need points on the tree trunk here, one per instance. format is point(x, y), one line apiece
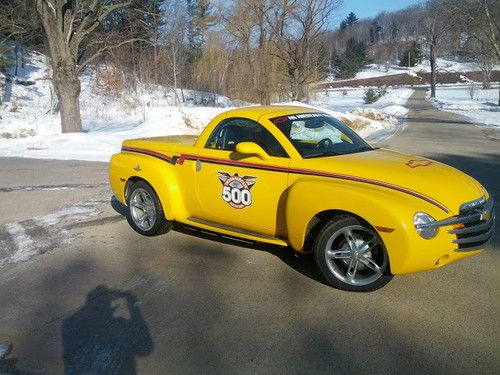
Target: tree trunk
point(68, 94)
point(433, 70)
point(64, 69)
point(67, 87)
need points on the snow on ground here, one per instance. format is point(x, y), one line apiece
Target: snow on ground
point(347, 99)
point(28, 128)
point(443, 65)
point(478, 105)
point(379, 120)
point(20, 241)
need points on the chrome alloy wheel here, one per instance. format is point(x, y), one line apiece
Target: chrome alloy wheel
point(142, 209)
point(355, 255)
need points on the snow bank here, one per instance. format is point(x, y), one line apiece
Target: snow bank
point(101, 139)
point(365, 121)
point(346, 99)
point(481, 109)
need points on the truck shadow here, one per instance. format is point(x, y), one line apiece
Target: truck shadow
point(302, 263)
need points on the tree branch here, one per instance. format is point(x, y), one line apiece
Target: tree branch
point(91, 21)
point(104, 49)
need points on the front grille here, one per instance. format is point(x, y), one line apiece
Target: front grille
point(478, 220)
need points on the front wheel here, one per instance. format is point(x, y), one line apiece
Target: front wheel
point(351, 255)
point(145, 213)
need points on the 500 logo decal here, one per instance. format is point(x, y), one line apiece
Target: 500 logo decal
point(236, 189)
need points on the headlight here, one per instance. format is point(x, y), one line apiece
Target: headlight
point(420, 220)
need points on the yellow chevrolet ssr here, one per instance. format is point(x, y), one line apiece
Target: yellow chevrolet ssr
point(298, 177)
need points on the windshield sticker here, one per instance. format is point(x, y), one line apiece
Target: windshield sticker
point(236, 189)
point(414, 163)
point(300, 116)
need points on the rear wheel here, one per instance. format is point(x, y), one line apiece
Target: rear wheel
point(351, 255)
point(145, 213)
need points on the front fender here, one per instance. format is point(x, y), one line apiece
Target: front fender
point(390, 213)
point(160, 175)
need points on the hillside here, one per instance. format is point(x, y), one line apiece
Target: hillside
point(448, 72)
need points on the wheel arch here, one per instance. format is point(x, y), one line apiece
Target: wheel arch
point(131, 181)
point(322, 218)
point(376, 207)
point(126, 169)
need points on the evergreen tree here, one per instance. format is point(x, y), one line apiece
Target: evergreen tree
point(352, 60)
point(351, 19)
point(411, 55)
point(5, 57)
point(200, 18)
point(375, 32)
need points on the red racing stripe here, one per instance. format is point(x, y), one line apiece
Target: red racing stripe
point(183, 157)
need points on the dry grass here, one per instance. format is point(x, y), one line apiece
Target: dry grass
point(112, 82)
point(356, 124)
point(369, 113)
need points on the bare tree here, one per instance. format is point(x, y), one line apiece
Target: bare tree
point(299, 28)
point(436, 28)
point(480, 21)
point(67, 25)
point(247, 24)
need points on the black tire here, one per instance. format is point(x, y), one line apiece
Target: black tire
point(145, 213)
point(351, 255)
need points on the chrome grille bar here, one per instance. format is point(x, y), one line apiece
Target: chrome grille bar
point(473, 239)
point(477, 224)
point(468, 206)
point(475, 228)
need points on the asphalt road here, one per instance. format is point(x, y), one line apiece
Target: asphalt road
point(181, 303)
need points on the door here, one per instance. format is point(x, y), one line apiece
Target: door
point(240, 190)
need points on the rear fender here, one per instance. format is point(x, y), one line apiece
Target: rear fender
point(125, 168)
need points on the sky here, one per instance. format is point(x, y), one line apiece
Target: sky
point(370, 8)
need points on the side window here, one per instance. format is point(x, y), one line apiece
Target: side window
point(233, 131)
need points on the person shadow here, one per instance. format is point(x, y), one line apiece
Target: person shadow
point(9, 366)
point(106, 335)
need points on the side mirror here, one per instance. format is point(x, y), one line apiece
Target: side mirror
point(251, 148)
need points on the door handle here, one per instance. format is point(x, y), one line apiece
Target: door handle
point(198, 165)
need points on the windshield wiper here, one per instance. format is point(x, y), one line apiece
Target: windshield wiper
point(329, 153)
point(365, 148)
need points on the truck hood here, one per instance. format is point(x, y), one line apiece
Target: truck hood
point(425, 178)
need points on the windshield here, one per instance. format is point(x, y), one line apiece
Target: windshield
point(317, 134)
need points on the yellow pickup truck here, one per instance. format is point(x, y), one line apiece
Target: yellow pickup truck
point(300, 178)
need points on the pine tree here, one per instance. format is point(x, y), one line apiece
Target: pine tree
point(352, 60)
point(411, 55)
point(375, 32)
point(351, 19)
point(200, 18)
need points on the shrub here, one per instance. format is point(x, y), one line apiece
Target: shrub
point(370, 96)
point(381, 91)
